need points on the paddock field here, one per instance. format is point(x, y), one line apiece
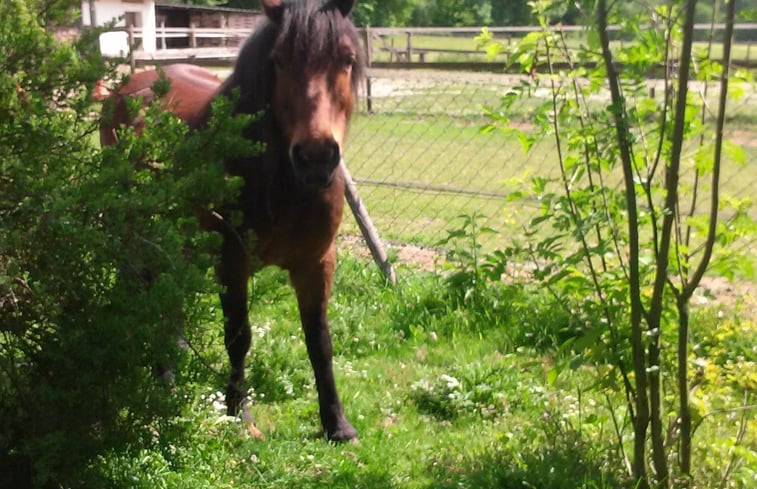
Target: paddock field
point(420, 158)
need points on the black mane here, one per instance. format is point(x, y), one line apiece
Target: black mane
point(309, 32)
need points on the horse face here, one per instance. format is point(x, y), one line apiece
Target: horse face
point(313, 94)
point(313, 108)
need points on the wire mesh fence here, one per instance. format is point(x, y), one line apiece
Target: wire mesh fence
point(421, 159)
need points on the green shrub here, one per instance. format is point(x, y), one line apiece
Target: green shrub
point(102, 263)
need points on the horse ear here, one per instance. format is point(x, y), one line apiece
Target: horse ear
point(345, 6)
point(273, 9)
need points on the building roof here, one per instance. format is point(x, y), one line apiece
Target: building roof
point(203, 8)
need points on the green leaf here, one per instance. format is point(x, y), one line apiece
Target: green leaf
point(552, 375)
point(593, 40)
point(576, 362)
point(735, 153)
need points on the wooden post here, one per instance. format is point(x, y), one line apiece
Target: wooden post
point(366, 226)
point(132, 45)
point(368, 97)
point(92, 13)
point(192, 37)
point(224, 23)
point(409, 46)
point(368, 45)
point(162, 33)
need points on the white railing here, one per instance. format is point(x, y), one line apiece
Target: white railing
point(193, 34)
point(226, 41)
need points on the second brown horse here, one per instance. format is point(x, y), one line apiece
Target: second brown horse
point(300, 68)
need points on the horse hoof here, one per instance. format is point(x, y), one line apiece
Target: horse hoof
point(254, 432)
point(344, 433)
point(249, 422)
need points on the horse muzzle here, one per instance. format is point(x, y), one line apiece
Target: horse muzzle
point(315, 162)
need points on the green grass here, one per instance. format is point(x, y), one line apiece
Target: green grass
point(435, 153)
point(444, 396)
point(426, 141)
point(421, 160)
point(404, 443)
point(399, 43)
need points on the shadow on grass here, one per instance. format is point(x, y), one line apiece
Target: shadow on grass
point(357, 479)
point(546, 468)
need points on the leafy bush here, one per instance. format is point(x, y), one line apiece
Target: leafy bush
point(102, 262)
point(486, 290)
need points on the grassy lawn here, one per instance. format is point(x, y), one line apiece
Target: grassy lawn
point(443, 396)
point(421, 159)
point(442, 168)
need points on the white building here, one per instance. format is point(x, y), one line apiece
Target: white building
point(136, 13)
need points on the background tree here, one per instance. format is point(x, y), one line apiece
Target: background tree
point(383, 13)
point(462, 12)
point(517, 12)
point(628, 261)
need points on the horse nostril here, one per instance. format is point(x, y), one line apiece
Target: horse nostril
point(298, 153)
point(332, 150)
point(322, 153)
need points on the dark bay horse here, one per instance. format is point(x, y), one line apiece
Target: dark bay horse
point(301, 68)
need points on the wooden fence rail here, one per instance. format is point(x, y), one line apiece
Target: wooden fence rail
point(397, 43)
point(386, 47)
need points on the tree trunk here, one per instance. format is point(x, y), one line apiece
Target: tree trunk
point(641, 402)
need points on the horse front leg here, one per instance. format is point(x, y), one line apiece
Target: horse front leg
point(233, 274)
point(312, 285)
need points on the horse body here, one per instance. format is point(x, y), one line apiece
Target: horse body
point(192, 89)
point(300, 69)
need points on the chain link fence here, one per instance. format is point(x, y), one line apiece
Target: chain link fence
point(421, 159)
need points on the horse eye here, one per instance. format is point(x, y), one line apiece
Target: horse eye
point(348, 61)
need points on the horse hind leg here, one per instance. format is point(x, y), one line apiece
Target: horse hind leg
point(312, 285)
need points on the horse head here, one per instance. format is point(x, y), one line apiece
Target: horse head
point(317, 67)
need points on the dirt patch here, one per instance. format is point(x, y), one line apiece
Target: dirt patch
point(712, 292)
point(744, 138)
point(411, 256)
point(716, 291)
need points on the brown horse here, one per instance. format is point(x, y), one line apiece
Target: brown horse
point(301, 68)
point(192, 89)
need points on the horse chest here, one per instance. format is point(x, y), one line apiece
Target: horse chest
point(294, 228)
